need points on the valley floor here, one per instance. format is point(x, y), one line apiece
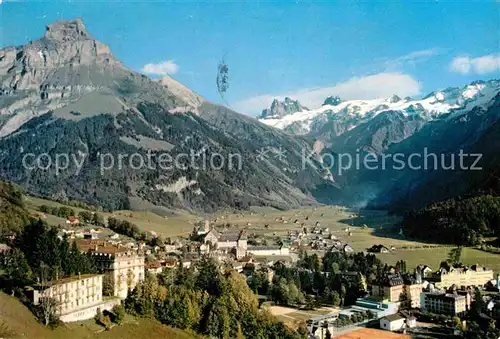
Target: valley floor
point(368, 228)
point(365, 230)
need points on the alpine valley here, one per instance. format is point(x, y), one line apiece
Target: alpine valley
point(438, 126)
point(67, 94)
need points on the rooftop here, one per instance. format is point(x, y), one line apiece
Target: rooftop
point(69, 279)
point(263, 248)
point(445, 296)
point(465, 269)
point(392, 280)
point(153, 264)
point(99, 246)
point(393, 317)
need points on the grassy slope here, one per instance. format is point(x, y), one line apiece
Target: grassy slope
point(23, 324)
point(177, 224)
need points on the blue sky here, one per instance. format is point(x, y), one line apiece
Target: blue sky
point(304, 49)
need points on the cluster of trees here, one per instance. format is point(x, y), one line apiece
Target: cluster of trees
point(13, 215)
point(211, 302)
point(339, 279)
point(93, 218)
point(354, 319)
point(460, 221)
point(88, 217)
point(82, 205)
point(63, 211)
point(106, 318)
point(475, 331)
point(479, 326)
point(38, 254)
point(129, 229)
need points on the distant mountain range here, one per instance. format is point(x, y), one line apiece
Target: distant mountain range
point(443, 122)
point(335, 116)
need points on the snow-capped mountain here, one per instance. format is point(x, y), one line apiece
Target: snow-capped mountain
point(345, 115)
point(446, 122)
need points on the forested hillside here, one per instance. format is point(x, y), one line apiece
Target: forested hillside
point(462, 221)
point(13, 215)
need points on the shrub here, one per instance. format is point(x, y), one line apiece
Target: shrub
point(119, 314)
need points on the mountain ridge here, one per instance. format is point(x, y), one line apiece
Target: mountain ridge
point(67, 94)
point(352, 113)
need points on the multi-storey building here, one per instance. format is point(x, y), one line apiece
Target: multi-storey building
point(443, 303)
point(229, 241)
point(397, 288)
point(463, 276)
point(123, 267)
point(390, 288)
point(412, 289)
point(76, 298)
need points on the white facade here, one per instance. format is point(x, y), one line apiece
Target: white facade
point(125, 269)
point(234, 242)
point(392, 323)
point(265, 251)
point(77, 298)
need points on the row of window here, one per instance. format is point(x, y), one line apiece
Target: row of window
point(79, 302)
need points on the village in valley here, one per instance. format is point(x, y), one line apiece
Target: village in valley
point(328, 269)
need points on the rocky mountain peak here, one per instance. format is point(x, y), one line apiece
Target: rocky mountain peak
point(68, 65)
point(72, 30)
point(279, 108)
point(393, 99)
point(332, 101)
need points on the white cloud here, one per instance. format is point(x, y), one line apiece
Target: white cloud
point(412, 58)
point(161, 68)
point(366, 87)
point(480, 65)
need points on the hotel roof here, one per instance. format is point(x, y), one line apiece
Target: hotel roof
point(67, 280)
point(99, 246)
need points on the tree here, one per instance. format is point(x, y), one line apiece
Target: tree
point(98, 316)
point(370, 315)
point(85, 216)
point(454, 256)
point(107, 285)
point(97, 219)
point(218, 320)
point(280, 292)
point(46, 209)
point(48, 310)
point(209, 277)
point(401, 266)
point(343, 293)
point(477, 305)
point(47, 306)
point(16, 266)
point(119, 313)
